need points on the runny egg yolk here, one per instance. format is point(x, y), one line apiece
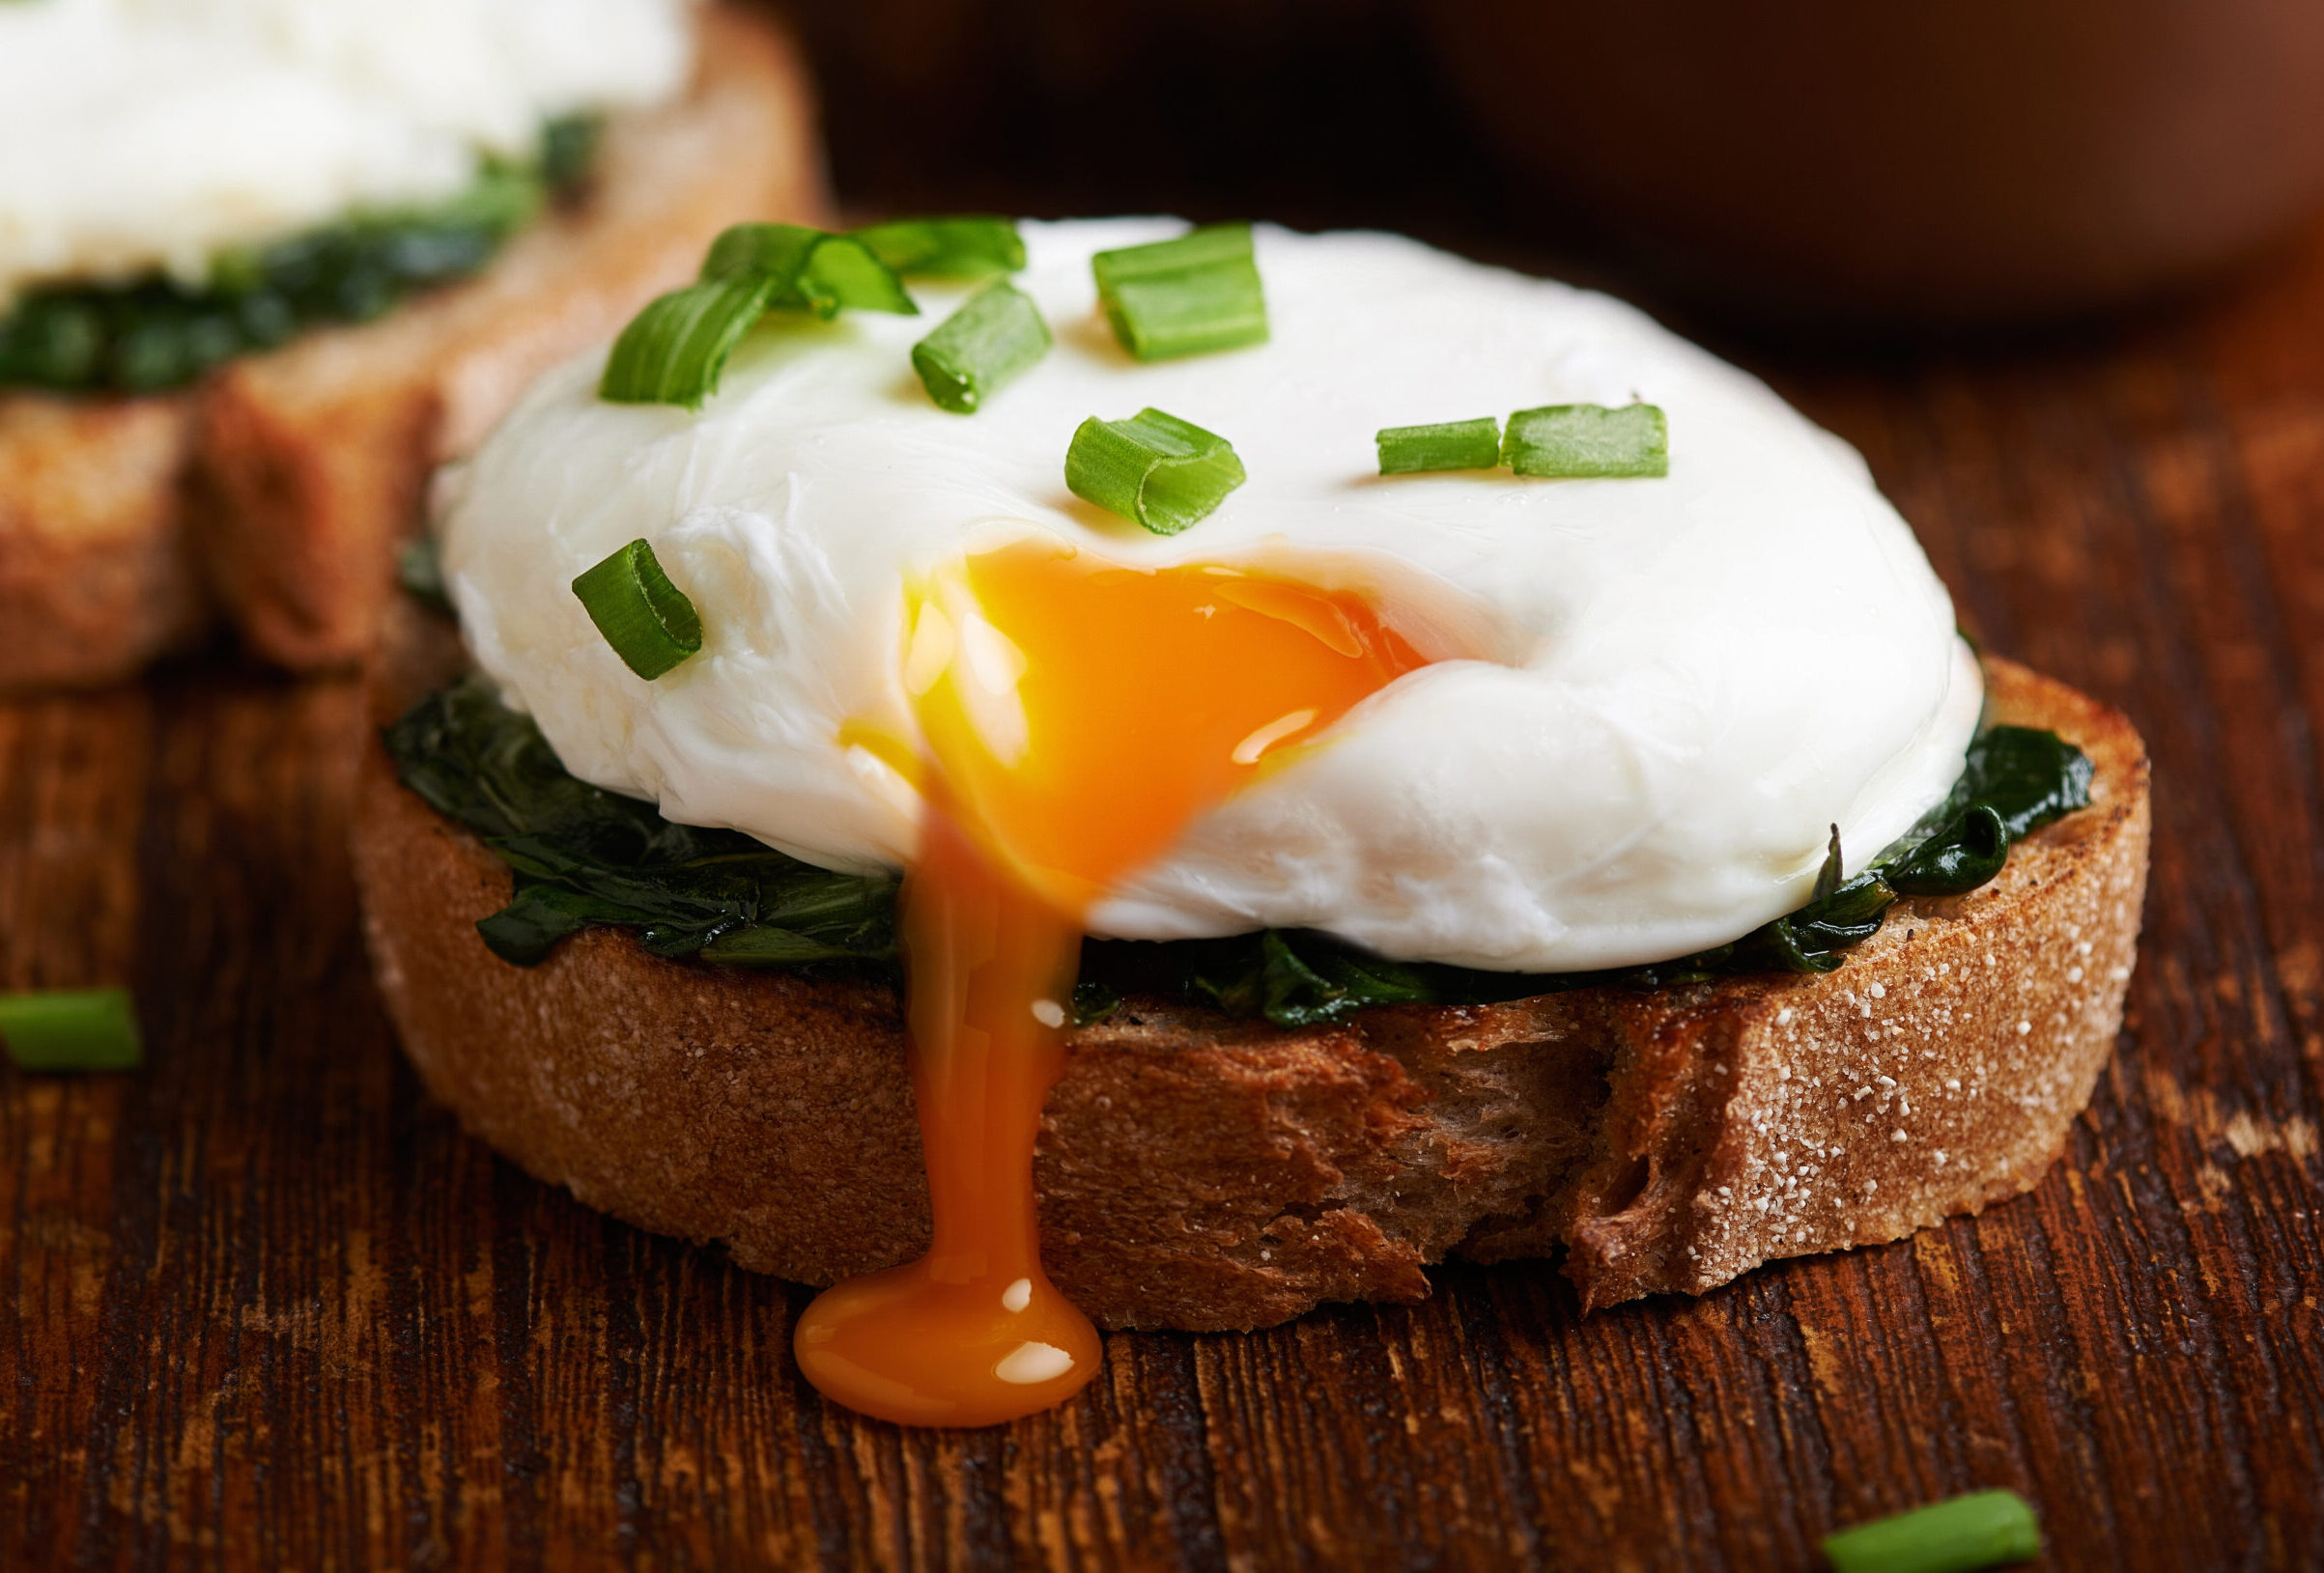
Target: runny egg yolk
point(1077, 714)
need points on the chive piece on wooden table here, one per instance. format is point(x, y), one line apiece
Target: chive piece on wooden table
point(1986, 1529)
point(70, 1029)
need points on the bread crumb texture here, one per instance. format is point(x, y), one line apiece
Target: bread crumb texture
point(1197, 1172)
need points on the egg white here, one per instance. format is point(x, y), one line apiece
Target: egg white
point(1680, 684)
point(152, 134)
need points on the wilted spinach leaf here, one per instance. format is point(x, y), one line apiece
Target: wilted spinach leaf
point(1093, 1000)
point(2029, 777)
point(2014, 780)
point(144, 334)
point(1296, 977)
point(1962, 853)
point(585, 856)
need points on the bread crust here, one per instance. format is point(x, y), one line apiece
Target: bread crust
point(277, 491)
point(1202, 1172)
point(97, 574)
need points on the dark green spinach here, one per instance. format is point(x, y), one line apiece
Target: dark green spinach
point(584, 857)
point(152, 333)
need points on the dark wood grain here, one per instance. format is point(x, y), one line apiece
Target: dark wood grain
point(266, 1307)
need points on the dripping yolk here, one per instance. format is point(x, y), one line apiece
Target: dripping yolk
point(1076, 714)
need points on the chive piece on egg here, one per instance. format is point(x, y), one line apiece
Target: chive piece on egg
point(1986, 1529)
point(1157, 469)
point(815, 270)
point(1416, 450)
point(1588, 442)
point(981, 347)
point(779, 250)
point(648, 621)
point(968, 245)
point(844, 272)
point(675, 349)
point(1186, 297)
point(1207, 245)
point(70, 1029)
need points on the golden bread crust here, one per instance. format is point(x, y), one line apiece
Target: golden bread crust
point(1198, 1171)
point(96, 575)
point(285, 482)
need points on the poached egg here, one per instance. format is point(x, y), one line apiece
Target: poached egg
point(1632, 709)
point(1463, 718)
point(145, 135)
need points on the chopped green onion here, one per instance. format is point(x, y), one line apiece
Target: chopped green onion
point(842, 272)
point(1186, 297)
point(71, 1030)
point(1164, 472)
point(646, 619)
point(1414, 450)
point(1984, 1529)
point(1212, 245)
point(777, 249)
point(1579, 441)
point(981, 347)
point(675, 349)
point(815, 270)
point(967, 247)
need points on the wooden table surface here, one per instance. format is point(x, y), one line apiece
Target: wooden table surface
point(266, 1307)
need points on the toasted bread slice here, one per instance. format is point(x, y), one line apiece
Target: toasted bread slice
point(279, 489)
point(97, 576)
point(1204, 1172)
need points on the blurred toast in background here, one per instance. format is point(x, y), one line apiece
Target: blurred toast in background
point(276, 494)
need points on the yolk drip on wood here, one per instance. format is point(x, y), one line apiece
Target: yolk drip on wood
point(1076, 716)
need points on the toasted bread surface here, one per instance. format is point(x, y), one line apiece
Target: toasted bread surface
point(1203, 1173)
point(96, 575)
point(285, 482)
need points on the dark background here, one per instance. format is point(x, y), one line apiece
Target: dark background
point(1819, 172)
point(1315, 112)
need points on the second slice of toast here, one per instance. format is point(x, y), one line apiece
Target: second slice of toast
point(276, 492)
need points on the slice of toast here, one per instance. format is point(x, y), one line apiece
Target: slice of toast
point(277, 491)
point(1203, 1173)
point(97, 574)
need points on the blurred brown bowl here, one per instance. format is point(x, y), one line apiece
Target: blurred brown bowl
point(1908, 162)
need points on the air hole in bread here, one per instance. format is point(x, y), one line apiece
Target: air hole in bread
point(1627, 1187)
